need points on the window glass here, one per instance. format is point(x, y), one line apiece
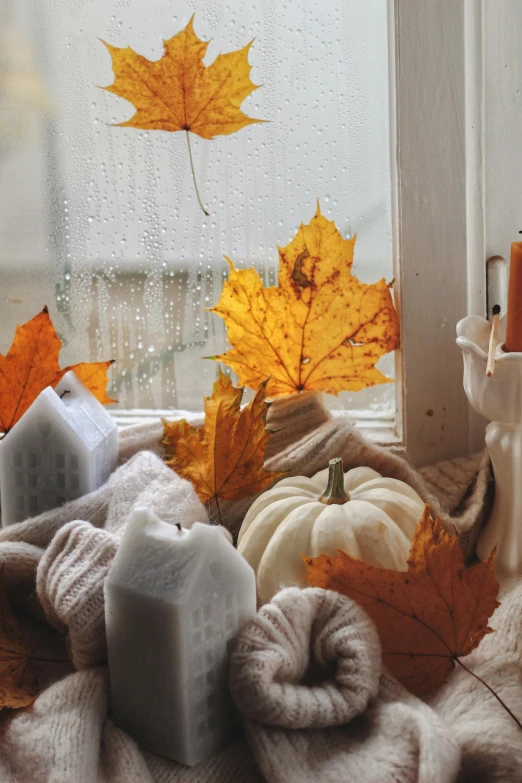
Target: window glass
point(102, 224)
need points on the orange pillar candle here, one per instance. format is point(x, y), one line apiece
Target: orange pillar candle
point(514, 311)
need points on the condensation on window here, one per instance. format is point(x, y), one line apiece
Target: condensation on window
point(102, 224)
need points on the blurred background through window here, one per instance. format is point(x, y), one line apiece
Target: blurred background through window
point(102, 223)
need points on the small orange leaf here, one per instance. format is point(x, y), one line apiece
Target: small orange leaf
point(318, 329)
point(428, 616)
point(31, 365)
point(93, 375)
point(223, 459)
point(18, 686)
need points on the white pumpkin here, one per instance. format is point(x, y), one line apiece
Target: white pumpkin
point(361, 512)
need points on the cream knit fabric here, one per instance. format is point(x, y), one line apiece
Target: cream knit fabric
point(306, 437)
point(72, 569)
point(490, 740)
point(146, 481)
point(303, 451)
point(461, 497)
point(399, 739)
point(67, 735)
point(290, 421)
point(143, 480)
point(300, 628)
point(68, 583)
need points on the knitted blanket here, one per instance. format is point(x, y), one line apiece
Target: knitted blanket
point(353, 721)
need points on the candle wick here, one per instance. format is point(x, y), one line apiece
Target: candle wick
point(62, 395)
point(178, 526)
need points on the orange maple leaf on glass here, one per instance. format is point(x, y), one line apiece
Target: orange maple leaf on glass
point(32, 364)
point(429, 616)
point(320, 328)
point(179, 93)
point(18, 686)
point(224, 458)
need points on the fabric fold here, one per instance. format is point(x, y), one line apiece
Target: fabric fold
point(144, 480)
point(69, 585)
point(359, 724)
point(67, 737)
point(306, 673)
point(461, 497)
point(490, 739)
point(304, 633)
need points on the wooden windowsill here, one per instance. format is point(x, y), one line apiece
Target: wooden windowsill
point(378, 430)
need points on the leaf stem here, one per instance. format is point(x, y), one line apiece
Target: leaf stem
point(218, 509)
point(490, 689)
point(49, 660)
point(194, 174)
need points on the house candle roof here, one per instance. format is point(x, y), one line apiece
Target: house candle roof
point(64, 446)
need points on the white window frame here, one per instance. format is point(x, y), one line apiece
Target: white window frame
point(436, 106)
point(440, 250)
point(436, 125)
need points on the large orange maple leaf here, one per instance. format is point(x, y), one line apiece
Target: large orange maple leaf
point(179, 93)
point(224, 459)
point(32, 364)
point(320, 328)
point(427, 617)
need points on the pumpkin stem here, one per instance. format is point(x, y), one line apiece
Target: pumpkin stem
point(335, 493)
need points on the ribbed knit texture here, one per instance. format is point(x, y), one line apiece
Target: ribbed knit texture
point(291, 418)
point(307, 437)
point(298, 628)
point(293, 726)
point(66, 737)
point(490, 740)
point(461, 497)
point(360, 725)
point(143, 480)
point(69, 585)
point(73, 568)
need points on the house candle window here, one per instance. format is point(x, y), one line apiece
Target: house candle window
point(64, 446)
point(174, 600)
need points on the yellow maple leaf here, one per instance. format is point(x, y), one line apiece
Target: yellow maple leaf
point(179, 93)
point(224, 459)
point(319, 328)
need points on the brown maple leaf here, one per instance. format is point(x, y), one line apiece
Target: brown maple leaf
point(32, 364)
point(18, 685)
point(427, 617)
point(223, 459)
point(179, 93)
point(318, 329)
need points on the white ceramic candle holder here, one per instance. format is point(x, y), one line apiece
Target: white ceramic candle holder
point(498, 398)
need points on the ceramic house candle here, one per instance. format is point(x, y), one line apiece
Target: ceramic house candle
point(64, 446)
point(174, 600)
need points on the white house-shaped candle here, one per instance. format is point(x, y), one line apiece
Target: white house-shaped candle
point(174, 600)
point(64, 446)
